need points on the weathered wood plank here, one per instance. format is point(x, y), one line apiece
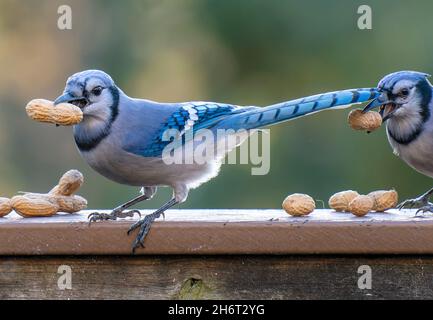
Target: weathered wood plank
point(216, 277)
point(223, 232)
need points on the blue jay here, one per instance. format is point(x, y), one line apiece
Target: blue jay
point(122, 137)
point(406, 105)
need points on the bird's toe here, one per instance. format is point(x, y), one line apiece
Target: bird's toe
point(130, 213)
point(135, 226)
point(425, 209)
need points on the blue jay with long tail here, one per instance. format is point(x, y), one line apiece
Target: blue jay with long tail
point(122, 138)
point(406, 106)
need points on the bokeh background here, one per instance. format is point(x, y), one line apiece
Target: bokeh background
point(246, 52)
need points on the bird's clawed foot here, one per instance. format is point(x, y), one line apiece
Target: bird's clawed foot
point(413, 203)
point(422, 203)
point(147, 221)
point(114, 215)
point(144, 225)
point(424, 209)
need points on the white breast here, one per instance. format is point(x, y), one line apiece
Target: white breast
point(418, 154)
point(123, 167)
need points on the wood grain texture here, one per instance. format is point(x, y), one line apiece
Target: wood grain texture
point(216, 277)
point(223, 232)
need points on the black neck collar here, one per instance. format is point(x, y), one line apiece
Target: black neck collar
point(426, 92)
point(87, 144)
point(408, 138)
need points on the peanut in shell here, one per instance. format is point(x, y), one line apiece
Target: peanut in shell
point(361, 205)
point(340, 201)
point(368, 121)
point(298, 204)
point(63, 114)
point(384, 199)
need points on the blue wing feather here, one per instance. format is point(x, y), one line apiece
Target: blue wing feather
point(190, 116)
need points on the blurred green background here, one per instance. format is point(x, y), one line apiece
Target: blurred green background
point(245, 52)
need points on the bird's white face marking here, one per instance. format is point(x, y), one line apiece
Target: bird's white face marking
point(100, 99)
point(407, 97)
point(408, 116)
point(93, 90)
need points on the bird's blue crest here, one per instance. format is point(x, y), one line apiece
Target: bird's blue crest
point(391, 79)
point(83, 76)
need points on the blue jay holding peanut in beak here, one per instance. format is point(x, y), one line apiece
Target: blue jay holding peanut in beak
point(122, 138)
point(406, 105)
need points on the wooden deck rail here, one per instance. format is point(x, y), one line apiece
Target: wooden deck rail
point(232, 254)
point(223, 232)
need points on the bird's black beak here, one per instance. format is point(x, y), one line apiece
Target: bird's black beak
point(381, 100)
point(387, 107)
point(68, 97)
point(65, 97)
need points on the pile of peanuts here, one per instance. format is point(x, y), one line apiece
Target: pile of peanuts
point(60, 199)
point(345, 201)
point(360, 205)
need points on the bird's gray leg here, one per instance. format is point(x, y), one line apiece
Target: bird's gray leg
point(180, 195)
point(146, 222)
point(146, 194)
point(422, 202)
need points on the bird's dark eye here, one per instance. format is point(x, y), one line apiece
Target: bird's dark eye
point(97, 91)
point(404, 92)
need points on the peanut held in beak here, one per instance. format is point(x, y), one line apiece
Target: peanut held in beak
point(63, 114)
point(368, 121)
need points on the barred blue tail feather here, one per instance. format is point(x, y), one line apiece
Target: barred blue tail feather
point(280, 112)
